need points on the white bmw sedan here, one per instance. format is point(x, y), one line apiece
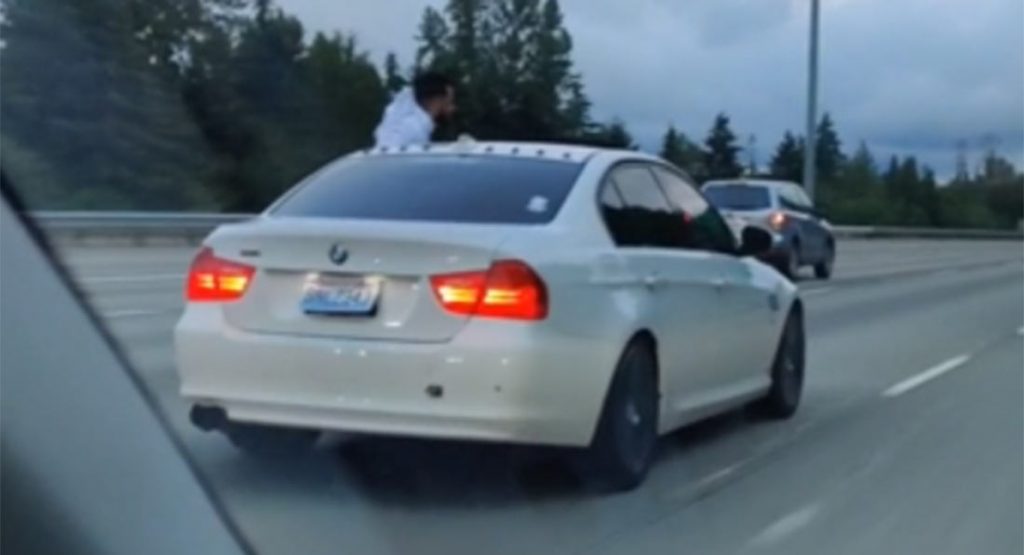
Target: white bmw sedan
point(506, 292)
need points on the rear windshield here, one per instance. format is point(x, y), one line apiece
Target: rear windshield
point(465, 189)
point(738, 197)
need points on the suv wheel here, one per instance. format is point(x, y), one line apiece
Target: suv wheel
point(823, 269)
point(789, 265)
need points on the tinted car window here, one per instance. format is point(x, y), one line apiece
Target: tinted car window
point(465, 189)
point(704, 228)
point(639, 189)
point(739, 197)
point(644, 217)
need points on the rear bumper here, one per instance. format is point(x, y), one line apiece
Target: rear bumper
point(493, 382)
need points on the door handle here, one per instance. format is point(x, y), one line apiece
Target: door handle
point(652, 280)
point(718, 283)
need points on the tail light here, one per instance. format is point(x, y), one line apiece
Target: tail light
point(212, 279)
point(777, 220)
point(509, 289)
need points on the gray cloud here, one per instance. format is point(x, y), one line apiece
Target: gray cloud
point(908, 77)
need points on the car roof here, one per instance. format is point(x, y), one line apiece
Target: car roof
point(464, 147)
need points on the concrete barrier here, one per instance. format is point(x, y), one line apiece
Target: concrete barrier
point(107, 228)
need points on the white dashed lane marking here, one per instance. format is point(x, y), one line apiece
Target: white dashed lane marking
point(785, 526)
point(924, 377)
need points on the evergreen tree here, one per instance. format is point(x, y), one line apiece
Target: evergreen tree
point(829, 157)
point(393, 79)
point(672, 147)
point(788, 161)
point(433, 37)
point(861, 172)
point(615, 135)
point(679, 150)
point(722, 158)
point(82, 95)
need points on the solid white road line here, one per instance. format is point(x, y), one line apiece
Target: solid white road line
point(926, 376)
point(130, 279)
point(785, 526)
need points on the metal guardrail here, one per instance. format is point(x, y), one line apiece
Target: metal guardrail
point(140, 226)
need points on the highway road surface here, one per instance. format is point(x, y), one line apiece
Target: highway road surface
point(910, 439)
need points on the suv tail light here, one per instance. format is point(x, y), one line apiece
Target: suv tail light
point(509, 289)
point(777, 220)
point(212, 279)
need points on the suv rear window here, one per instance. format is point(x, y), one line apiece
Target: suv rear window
point(464, 189)
point(738, 197)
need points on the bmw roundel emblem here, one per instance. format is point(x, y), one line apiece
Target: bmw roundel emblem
point(338, 254)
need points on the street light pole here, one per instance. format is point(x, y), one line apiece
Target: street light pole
point(810, 144)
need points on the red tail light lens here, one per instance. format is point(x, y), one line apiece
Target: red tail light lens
point(212, 279)
point(777, 220)
point(509, 289)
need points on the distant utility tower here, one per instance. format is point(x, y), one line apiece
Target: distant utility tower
point(963, 172)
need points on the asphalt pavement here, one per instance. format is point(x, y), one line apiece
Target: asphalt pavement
point(910, 438)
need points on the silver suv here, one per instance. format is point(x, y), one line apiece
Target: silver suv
point(803, 236)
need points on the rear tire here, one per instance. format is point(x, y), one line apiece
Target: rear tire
point(823, 269)
point(627, 432)
point(270, 441)
point(783, 398)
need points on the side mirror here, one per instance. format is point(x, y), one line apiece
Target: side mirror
point(755, 241)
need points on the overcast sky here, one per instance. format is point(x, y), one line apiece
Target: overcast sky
point(906, 76)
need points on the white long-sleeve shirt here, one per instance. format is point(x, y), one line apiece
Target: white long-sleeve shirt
point(404, 123)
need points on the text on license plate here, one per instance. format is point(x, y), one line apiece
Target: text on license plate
point(343, 296)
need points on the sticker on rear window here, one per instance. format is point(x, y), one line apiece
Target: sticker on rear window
point(537, 204)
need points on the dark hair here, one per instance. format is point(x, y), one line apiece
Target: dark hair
point(431, 84)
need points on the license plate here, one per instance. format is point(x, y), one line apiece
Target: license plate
point(340, 296)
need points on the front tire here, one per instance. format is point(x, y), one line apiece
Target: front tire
point(783, 398)
point(789, 265)
point(627, 432)
point(823, 269)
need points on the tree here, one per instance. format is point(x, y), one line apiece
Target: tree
point(996, 169)
point(722, 151)
point(393, 79)
point(433, 38)
point(788, 161)
point(83, 94)
point(908, 192)
point(829, 157)
point(861, 172)
point(512, 61)
point(616, 135)
point(679, 150)
point(672, 147)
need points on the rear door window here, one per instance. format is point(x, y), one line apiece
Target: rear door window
point(704, 228)
point(645, 216)
point(441, 188)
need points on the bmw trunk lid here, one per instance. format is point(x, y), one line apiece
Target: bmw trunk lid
point(358, 279)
